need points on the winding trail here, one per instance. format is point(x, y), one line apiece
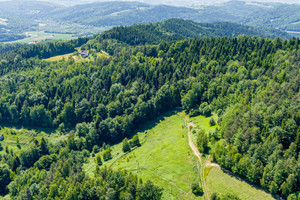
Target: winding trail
point(192, 145)
point(198, 154)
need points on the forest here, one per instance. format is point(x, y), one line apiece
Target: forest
point(251, 83)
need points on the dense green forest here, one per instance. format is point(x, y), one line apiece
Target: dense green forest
point(10, 47)
point(251, 83)
point(176, 29)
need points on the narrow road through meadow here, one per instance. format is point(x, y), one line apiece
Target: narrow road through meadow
point(198, 154)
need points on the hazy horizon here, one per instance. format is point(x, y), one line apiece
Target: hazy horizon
point(167, 2)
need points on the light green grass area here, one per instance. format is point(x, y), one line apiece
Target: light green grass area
point(164, 157)
point(24, 136)
point(222, 183)
point(92, 57)
point(203, 123)
point(117, 153)
point(60, 57)
point(41, 35)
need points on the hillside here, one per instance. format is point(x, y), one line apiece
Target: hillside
point(175, 29)
point(248, 87)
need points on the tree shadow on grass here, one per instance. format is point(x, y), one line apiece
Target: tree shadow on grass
point(152, 123)
point(231, 174)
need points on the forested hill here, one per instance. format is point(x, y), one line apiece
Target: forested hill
point(250, 83)
point(175, 29)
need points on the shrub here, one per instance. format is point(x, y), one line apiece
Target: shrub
point(107, 154)
point(136, 141)
point(214, 196)
point(205, 109)
point(98, 160)
point(96, 149)
point(126, 146)
point(194, 113)
point(212, 122)
point(196, 189)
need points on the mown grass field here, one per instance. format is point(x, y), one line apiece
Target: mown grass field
point(165, 158)
point(222, 183)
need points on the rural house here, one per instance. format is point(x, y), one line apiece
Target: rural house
point(84, 53)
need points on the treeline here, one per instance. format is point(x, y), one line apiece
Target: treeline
point(10, 47)
point(251, 83)
point(55, 171)
point(176, 29)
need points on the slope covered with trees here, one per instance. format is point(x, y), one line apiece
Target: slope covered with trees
point(251, 83)
point(176, 29)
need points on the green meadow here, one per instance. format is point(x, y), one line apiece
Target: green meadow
point(222, 183)
point(164, 157)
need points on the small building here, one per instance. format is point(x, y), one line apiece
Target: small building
point(84, 53)
point(1, 137)
point(35, 42)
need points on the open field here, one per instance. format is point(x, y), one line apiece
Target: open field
point(222, 183)
point(165, 158)
point(41, 35)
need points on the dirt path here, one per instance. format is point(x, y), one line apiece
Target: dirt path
point(192, 145)
point(208, 163)
point(198, 154)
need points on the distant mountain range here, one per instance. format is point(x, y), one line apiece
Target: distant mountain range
point(17, 17)
point(283, 16)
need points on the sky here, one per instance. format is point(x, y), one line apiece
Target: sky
point(203, 2)
point(168, 2)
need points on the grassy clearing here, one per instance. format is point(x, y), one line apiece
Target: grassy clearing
point(24, 136)
point(203, 123)
point(41, 35)
point(117, 153)
point(165, 158)
point(92, 57)
point(60, 57)
point(222, 183)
